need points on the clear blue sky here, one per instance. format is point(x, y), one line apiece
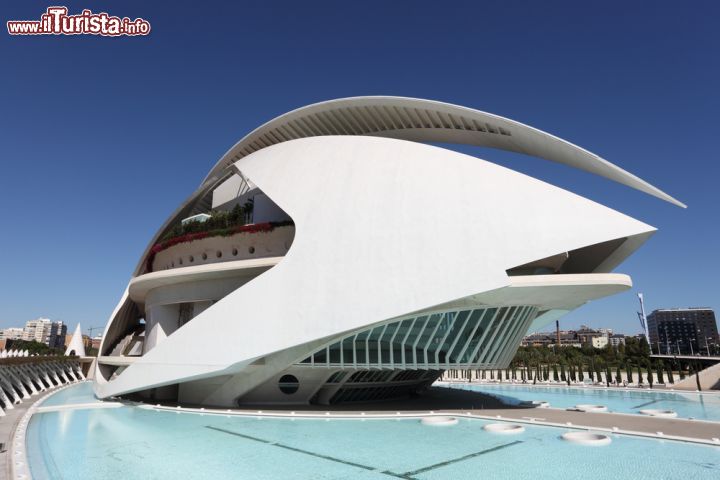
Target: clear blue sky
point(101, 138)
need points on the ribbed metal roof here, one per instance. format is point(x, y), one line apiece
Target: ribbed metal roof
point(425, 121)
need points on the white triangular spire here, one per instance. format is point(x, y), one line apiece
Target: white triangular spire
point(76, 343)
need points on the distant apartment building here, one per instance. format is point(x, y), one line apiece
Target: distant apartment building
point(589, 336)
point(683, 330)
point(44, 330)
point(546, 339)
point(37, 330)
point(576, 338)
point(12, 333)
point(56, 337)
point(616, 340)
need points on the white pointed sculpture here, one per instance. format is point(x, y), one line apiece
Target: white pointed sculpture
point(26, 353)
point(4, 354)
point(76, 346)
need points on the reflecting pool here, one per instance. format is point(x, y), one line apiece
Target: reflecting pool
point(686, 404)
point(139, 443)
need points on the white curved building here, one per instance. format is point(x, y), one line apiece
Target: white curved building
point(374, 261)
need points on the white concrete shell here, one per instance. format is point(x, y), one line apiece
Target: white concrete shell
point(390, 235)
point(76, 346)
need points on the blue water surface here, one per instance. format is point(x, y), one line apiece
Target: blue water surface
point(687, 404)
point(78, 393)
point(138, 443)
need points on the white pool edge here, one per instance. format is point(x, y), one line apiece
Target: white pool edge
point(319, 415)
point(17, 458)
point(20, 469)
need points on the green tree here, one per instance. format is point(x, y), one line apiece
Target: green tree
point(671, 379)
point(659, 369)
point(608, 375)
point(33, 347)
point(629, 372)
point(237, 215)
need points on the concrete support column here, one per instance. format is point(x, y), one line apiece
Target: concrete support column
point(54, 374)
point(27, 380)
point(18, 384)
point(10, 388)
point(39, 376)
point(8, 403)
point(34, 377)
point(78, 369)
point(69, 370)
point(62, 373)
point(46, 373)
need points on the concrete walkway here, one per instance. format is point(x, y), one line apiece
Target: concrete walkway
point(7, 428)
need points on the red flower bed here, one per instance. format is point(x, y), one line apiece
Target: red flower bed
point(224, 232)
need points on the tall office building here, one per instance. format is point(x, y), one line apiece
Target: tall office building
point(56, 336)
point(683, 330)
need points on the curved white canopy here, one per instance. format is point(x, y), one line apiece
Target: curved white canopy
point(407, 119)
point(425, 121)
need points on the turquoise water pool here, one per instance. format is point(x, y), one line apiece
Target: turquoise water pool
point(686, 404)
point(136, 443)
point(79, 393)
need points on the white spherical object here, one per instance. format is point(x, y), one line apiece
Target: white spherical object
point(585, 407)
point(437, 421)
point(504, 428)
point(659, 413)
point(587, 438)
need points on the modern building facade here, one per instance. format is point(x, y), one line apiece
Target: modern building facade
point(56, 337)
point(683, 330)
point(44, 330)
point(37, 330)
point(12, 333)
point(342, 258)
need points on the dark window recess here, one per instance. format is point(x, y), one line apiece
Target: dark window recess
point(288, 384)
